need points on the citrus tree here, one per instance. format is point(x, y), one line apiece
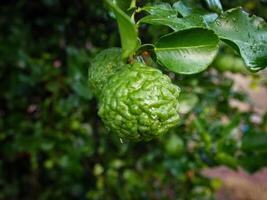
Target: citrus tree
point(137, 101)
point(157, 106)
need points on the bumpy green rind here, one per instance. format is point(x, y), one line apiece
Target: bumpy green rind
point(103, 66)
point(139, 103)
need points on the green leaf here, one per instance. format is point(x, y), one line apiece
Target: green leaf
point(188, 7)
point(192, 7)
point(226, 159)
point(78, 62)
point(229, 62)
point(160, 14)
point(125, 5)
point(187, 51)
point(210, 17)
point(255, 142)
point(174, 22)
point(163, 9)
point(174, 145)
point(259, 160)
point(203, 133)
point(128, 31)
point(187, 102)
point(165, 14)
point(192, 21)
point(215, 5)
point(81, 88)
point(247, 35)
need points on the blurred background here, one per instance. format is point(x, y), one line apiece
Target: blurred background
point(54, 146)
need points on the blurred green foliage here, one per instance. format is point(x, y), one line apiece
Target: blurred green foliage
point(53, 145)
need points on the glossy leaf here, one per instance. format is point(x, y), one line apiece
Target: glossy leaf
point(163, 9)
point(188, 51)
point(247, 35)
point(165, 14)
point(188, 7)
point(215, 5)
point(192, 7)
point(128, 31)
point(160, 14)
point(174, 22)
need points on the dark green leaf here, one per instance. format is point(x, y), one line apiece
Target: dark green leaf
point(188, 51)
point(253, 162)
point(254, 142)
point(174, 22)
point(128, 31)
point(81, 88)
point(247, 35)
point(160, 14)
point(125, 4)
point(203, 133)
point(163, 9)
point(78, 63)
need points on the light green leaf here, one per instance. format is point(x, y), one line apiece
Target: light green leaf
point(230, 62)
point(247, 35)
point(128, 31)
point(226, 159)
point(215, 5)
point(187, 102)
point(187, 51)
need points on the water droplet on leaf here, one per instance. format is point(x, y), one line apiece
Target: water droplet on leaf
point(218, 23)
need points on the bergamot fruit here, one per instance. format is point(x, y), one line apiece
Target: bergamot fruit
point(104, 65)
point(139, 103)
